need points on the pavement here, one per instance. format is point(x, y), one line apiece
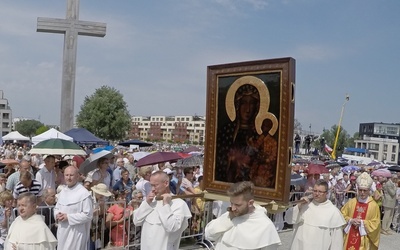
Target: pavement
point(387, 242)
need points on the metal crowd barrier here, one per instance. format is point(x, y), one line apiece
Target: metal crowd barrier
point(102, 234)
point(192, 238)
point(201, 215)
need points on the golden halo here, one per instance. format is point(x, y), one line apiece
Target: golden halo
point(270, 116)
point(262, 91)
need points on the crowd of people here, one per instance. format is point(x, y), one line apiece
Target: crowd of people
point(342, 186)
point(337, 210)
point(362, 203)
point(95, 209)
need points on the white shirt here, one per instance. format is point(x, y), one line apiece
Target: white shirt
point(116, 175)
point(95, 175)
point(143, 186)
point(46, 178)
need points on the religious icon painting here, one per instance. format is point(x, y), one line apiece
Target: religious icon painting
point(250, 114)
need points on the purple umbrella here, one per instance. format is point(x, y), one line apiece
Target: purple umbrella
point(382, 172)
point(350, 168)
point(158, 157)
point(374, 163)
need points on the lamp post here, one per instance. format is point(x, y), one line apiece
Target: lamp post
point(338, 128)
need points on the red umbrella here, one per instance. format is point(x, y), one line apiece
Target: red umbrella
point(184, 155)
point(382, 172)
point(158, 157)
point(317, 169)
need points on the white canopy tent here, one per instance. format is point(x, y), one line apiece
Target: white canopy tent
point(50, 134)
point(15, 136)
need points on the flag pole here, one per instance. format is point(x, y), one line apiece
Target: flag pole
point(333, 155)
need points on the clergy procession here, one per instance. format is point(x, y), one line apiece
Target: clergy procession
point(131, 199)
point(234, 177)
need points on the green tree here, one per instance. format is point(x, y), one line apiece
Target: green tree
point(105, 114)
point(351, 140)
point(28, 127)
point(41, 129)
point(330, 136)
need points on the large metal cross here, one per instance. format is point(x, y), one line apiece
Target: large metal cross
point(71, 27)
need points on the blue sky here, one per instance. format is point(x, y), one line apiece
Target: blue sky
point(156, 54)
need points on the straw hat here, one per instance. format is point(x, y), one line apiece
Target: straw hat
point(101, 189)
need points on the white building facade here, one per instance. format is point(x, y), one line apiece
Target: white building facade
point(5, 115)
point(381, 149)
point(190, 129)
point(381, 140)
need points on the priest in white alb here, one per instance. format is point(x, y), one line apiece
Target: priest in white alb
point(318, 224)
point(162, 221)
point(28, 231)
point(245, 226)
point(73, 213)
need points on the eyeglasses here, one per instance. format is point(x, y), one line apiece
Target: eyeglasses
point(319, 192)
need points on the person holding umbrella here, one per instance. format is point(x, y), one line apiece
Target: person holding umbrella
point(100, 174)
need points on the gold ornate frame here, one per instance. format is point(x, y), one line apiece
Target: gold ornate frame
point(274, 80)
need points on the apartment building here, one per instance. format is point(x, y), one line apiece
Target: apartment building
point(5, 115)
point(177, 129)
point(381, 141)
